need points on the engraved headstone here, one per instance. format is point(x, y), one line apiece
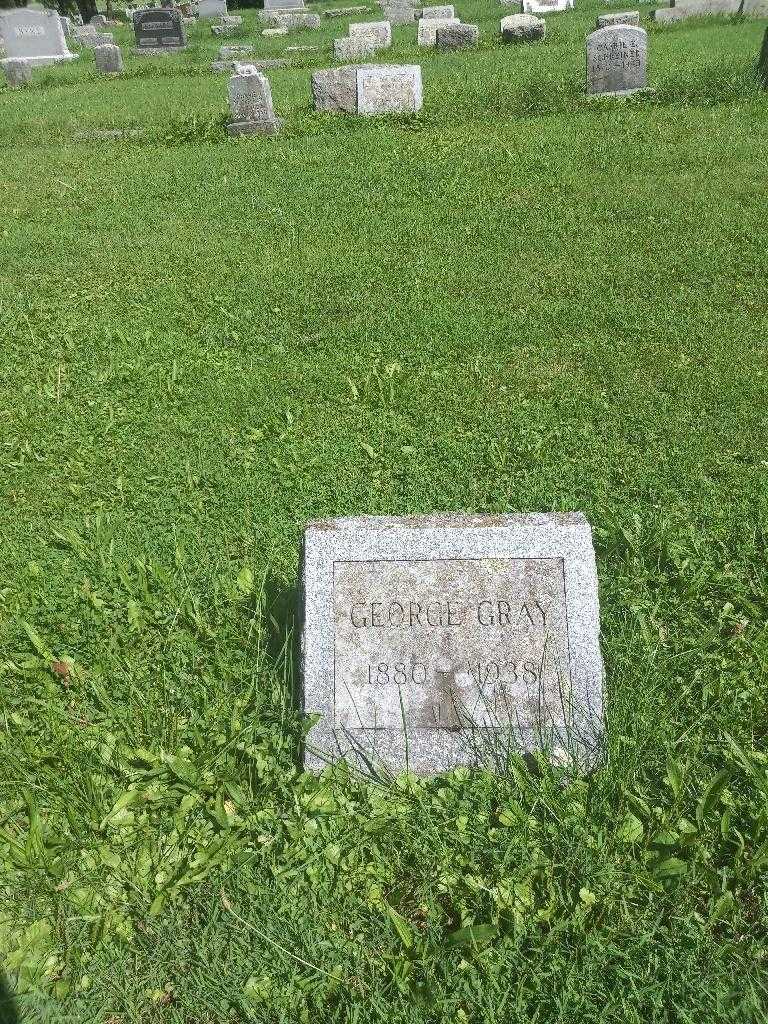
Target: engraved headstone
point(250, 103)
point(428, 643)
point(368, 89)
point(108, 59)
point(34, 35)
point(158, 31)
point(617, 59)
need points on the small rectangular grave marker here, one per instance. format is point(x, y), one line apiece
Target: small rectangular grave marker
point(426, 640)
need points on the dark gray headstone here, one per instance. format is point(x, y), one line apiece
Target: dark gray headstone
point(158, 29)
point(428, 642)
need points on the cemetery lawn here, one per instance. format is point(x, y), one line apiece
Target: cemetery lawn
point(518, 300)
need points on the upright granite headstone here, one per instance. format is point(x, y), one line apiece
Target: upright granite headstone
point(617, 60)
point(368, 89)
point(432, 642)
point(426, 33)
point(108, 59)
point(34, 35)
point(457, 37)
point(158, 31)
point(250, 103)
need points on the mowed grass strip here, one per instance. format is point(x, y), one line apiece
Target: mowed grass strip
point(517, 300)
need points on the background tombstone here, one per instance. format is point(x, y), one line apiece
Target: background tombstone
point(431, 642)
point(457, 37)
point(523, 28)
point(283, 5)
point(617, 59)
point(377, 33)
point(158, 31)
point(98, 21)
point(108, 59)
point(438, 12)
point(619, 18)
point(34, 35)
point(368, 89)
point(250, 103)
point(211, 8)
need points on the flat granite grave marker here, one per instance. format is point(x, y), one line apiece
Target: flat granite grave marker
point(429, 642)
point(619, 18)
point(617, 60)
point(34, 35)
point(158, 31)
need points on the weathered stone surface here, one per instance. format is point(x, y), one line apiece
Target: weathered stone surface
point(429, 643)
point(522, 28)
point(389, 89)
point(233, 52)
point(36, 36)
point(762, 64)
point(546, 6)
point(297, 19)
point(438, 12)
point(377, 32)
point(427, 30)
point(98, 21)
point(617, 59)
point(250, 103)
point(283, 5)
point(344, 12)
point(348, 49)
point(334, 90)
point(400, 14)
point(211, 8)
point(457, 37)
point(108, 59)
point(220, 66)
point(703, 8)
point(620, 18)
point(18, 72)
point(159, 30)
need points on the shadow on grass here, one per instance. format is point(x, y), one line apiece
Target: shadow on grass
point(9, 1014)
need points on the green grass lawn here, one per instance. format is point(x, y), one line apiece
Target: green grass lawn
point(517, 300)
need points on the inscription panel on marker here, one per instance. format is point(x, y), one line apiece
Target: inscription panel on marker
point(450, 643)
